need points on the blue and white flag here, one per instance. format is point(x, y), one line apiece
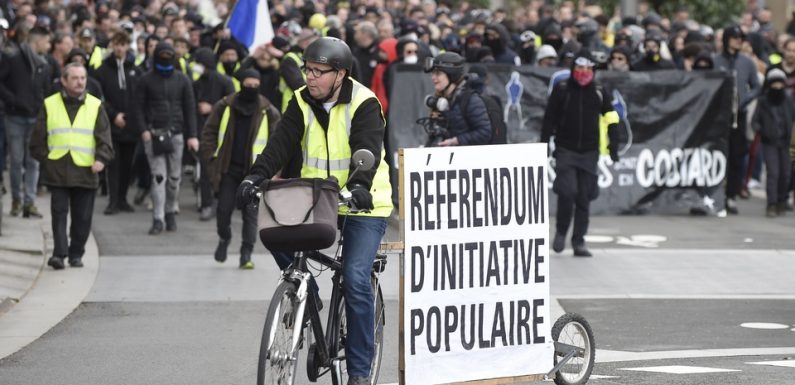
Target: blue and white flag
point(250, 23)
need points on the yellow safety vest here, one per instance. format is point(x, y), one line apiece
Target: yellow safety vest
point(287, 92)
point(97, 55)
point(75, 138)
point(259, 142)
point(605, 121)
point(328, 152)
point(222, 70)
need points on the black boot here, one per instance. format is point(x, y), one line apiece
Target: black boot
point(157, 227)
point(559, 242)
point(581, 251)
point(56, 262)
point(245, 260)
point(171, 222)
point(220, 250)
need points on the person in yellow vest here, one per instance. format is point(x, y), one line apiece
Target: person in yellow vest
point(229, 61)
point(72, 142)
point(235, 133)
point(327, 121)
point(88, 42)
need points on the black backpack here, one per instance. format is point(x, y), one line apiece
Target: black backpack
point(499, 130)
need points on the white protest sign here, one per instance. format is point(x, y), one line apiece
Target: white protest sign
point(476, 265)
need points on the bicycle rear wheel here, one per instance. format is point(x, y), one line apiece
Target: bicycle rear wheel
point(340, 336)
point(278, 354)
point(574, 331)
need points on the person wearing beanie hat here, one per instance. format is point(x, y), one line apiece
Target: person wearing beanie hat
point(209, 88)
point(619, 59)
point(165, 113)
point(235, 133)
point(652, 59)
point(572, 116)
point(773, 120)
point(229, 61)
point(546, 56)
point(744, 71)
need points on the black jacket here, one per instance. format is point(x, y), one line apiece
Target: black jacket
point(368, 59)
point(774, 121)
point(284, 146)
point(118, 100)
point(572, 115)
point(165, 100)
point(24, 81)
point(269, 80)
point(471, 127)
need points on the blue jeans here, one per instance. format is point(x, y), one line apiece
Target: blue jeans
point(22, 167)
point(362, 236)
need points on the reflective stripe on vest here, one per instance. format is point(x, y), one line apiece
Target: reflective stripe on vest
point(75, 138)
point(287, 92)
point(328, 152)
point(222, 71)
point(259, 142)
point(97, 55)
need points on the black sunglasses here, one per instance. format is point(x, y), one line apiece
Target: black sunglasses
point(316, 72)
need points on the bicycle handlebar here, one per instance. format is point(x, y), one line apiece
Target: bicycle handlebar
point(345, 199)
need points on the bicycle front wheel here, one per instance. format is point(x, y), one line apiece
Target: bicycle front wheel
point(574, 331)
point(340, 337)
point(278, 354)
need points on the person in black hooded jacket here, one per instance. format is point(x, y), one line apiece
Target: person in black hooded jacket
point(209, 89)
point(165, 106)
point(117, 77)
point(572, 116)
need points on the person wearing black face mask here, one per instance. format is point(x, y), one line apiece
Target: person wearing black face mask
point(651, 60)
point(165, 107)
point(236, 132)
point(773, 119)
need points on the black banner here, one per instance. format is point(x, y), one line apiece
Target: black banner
point(674, 130)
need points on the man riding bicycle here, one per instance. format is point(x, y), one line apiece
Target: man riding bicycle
point(325, 122)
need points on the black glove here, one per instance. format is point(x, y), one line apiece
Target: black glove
point(614, 154)
point(247, 190)
point(361, 197)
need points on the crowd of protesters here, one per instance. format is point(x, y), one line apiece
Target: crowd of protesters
point(165, 64)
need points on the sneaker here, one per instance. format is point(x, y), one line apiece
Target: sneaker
point(220, 250)
point(754, 184)
point(245, 261)
point(140, 195)
point(76, 262)
point(207, 213)
point(171, 222)
point(771, 211)
point(559, 243)
point(125, 207)
point(157, 227)
point(56, 262)
point(356, 380)
point(581, 251)
point(111, 210)
point(16, 208)
point(30, 211)
point(731, 206)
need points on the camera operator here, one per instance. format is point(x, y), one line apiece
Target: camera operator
point(464, 123)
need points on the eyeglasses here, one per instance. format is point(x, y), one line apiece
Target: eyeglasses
point(315, 72)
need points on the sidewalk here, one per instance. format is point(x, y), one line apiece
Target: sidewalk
point(33, 297)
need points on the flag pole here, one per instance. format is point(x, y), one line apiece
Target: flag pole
point(226, 23)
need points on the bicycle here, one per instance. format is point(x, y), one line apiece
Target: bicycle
point(295, 306)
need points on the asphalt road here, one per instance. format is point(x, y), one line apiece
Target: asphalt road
point(664, 295)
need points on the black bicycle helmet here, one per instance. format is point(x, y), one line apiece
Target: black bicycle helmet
point(452, 64)
point(331, 51)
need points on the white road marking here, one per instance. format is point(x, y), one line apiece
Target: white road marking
point(597, 377)
point(599, 239)
point(679, 369)
point(763, 325)
point(785, 363)
point(620, 356)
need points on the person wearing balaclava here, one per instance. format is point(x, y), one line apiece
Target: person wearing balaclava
point(235, 133)
point(572, 117)
point(208, 89)
point(497, 38)
point(651, 59)
point(165, 110)
point(773, 120)
point(747, 85)
point(229, 61)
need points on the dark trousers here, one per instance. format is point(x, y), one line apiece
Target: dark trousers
point(576, 186)
point(777, 162)
point(738, 149)
point(205, 186)
point(120, 172)
point(141, 167)
point(226, 206)
point(81, 202)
